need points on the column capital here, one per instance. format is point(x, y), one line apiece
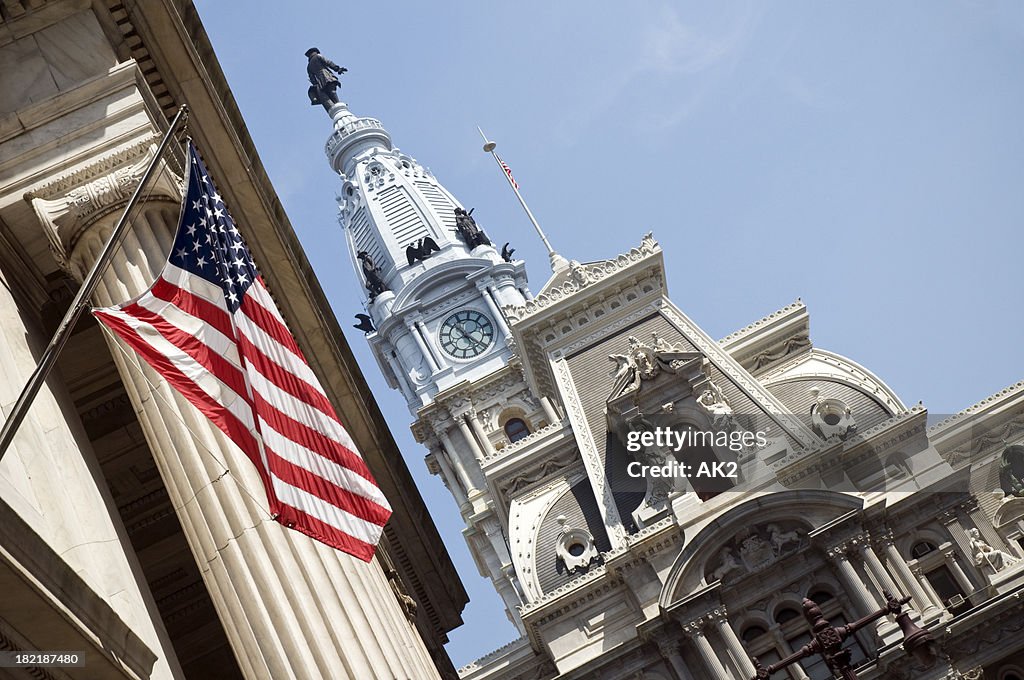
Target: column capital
point(439, 421)
point(695, 628)
point(719, 614)
point(861, 541)
point(970, 505)
point(69, 205)
point(838, 552)
point(948, 517)
point(885, 536)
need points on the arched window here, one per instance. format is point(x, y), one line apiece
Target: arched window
point(821, 596)
point(516, 429)
point(922, 548)
point(752, 633)
point(785, 615)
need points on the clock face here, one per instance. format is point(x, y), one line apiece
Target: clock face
point(466, 334)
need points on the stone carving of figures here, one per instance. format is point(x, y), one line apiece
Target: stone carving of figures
point(644, 362)
point(579, 273)
point(780, 539)
point(470, 233)
point(661, 344)
point(728, 564)
point(755, 551)
point(713, 401)
point(658, 488)
point(625, 375)
point(986, 554)
point(1011, 471)
point(644, 357)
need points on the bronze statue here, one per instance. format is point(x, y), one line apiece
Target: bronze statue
point(365, 323)
point(371, 272)
point(418, 251)
point(466, 226)
point(506, 252)
point(324, 87)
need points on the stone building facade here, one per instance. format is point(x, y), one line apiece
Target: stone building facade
point(527, 403)
point(132, 530)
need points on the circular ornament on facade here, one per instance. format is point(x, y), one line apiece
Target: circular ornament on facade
point(466, 334)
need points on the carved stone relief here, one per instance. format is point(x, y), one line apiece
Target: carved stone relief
point(754, 549)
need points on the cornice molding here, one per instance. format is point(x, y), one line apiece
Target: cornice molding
point(583, 276)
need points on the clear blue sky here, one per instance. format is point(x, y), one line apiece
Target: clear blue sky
point(867, 157)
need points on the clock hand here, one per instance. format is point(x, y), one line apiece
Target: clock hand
point(467, 336)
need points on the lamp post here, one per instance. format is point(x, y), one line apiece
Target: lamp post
point(828, 640)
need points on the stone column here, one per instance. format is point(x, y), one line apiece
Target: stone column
point(921, 600)
point(491, 298)
point(877, 569)
point(733, 644)
point(478, 429)
point(456, 461)
point(919, 574)
point(852, 582)
point(670, 651)
point(414, 330)
point(549, 410)
point(424, 336)
point(291, 607)
point(467, 434)
point(695, 632)
point(449, 477)
point(954, 525)
point(958, 573)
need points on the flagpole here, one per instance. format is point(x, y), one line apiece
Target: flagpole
point(92, 279)
point(557, 261)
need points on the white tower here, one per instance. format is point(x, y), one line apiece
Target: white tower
point(438, 320)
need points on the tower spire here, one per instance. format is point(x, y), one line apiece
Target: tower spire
point(557, 261)
point(435, 286)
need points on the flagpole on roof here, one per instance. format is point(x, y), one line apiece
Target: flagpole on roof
point(89, 283)
point(557, 261)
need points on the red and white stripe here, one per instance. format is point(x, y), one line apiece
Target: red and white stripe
point(245, 372)
point(508, 171)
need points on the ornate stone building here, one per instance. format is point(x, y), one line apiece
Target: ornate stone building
point(130, 528)
point(528, 405)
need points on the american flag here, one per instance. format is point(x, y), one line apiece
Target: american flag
point(210, 328)
point(508, 171)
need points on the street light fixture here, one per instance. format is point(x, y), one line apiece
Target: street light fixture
point(827, 640)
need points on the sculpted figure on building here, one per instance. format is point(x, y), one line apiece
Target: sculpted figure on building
point(323, 89)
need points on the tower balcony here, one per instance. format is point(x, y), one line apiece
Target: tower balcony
point(352, 134)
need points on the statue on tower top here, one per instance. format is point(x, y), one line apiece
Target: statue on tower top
point(324, 84)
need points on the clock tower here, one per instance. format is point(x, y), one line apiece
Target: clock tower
point(434, 284)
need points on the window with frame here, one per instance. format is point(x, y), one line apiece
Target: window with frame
point(516, 429)
point(792, 628)
point(922, 548)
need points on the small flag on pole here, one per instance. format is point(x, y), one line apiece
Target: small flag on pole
point(210, 328)
point(508, 171)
